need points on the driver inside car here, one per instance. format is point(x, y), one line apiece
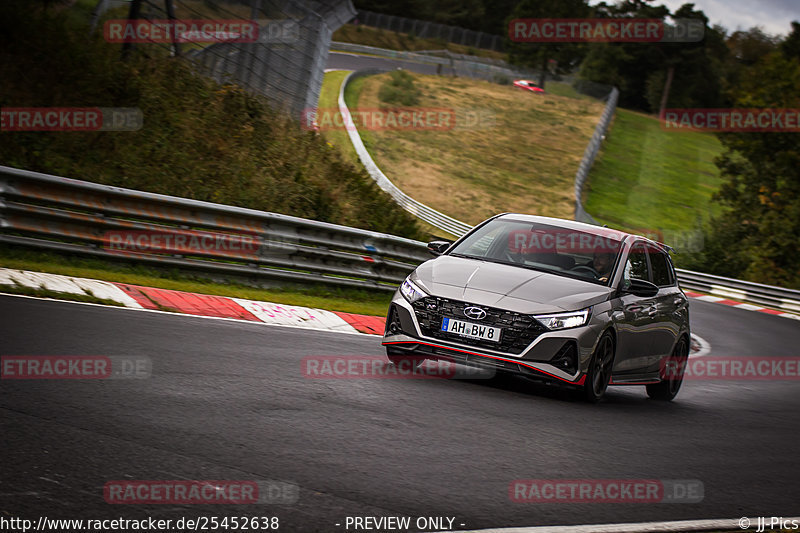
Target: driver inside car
point(603, 263)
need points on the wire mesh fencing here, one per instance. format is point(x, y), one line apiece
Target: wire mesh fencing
point(431, 30)
point(286, 63)
point(281, 56)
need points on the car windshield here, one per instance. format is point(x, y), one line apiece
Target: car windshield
point(589, 256)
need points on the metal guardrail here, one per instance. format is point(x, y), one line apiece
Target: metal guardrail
point(418, 209)
point(746, 291)
point(67, 215)
point(451, 64)
point(591, 153)
point(337, 46)
point(75, 216)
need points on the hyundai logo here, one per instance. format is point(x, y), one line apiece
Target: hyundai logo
point(475, 313)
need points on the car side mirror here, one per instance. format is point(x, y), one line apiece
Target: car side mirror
point(640, 287)
point(438, 247)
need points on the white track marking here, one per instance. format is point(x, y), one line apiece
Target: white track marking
point(67, 284)
point(708, 298)
point(292, 315)
point(704, 346)
point(183, 315)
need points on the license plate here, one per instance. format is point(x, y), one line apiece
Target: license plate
point(473, 331)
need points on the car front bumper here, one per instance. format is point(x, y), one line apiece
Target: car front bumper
point(562, 355)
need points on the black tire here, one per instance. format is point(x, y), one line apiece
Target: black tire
point(666, 390)
point(599, 374)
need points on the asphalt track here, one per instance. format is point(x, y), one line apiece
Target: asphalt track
point(347, 61)
point(227, 400)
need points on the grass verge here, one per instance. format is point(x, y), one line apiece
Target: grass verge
point(338, 138)
point(333, 299)
point(650, 179)
point(329, 103)
point(522, 156)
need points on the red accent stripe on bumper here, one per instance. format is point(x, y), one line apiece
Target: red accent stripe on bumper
point(580, 381)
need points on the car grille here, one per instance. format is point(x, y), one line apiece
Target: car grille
point(519, 330)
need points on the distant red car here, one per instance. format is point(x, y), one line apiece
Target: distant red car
point(528, 86)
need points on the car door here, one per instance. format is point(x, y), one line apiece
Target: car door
point(671, 305)
point(638, 317)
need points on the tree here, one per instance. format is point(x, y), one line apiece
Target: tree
point(756, 237)
point(539, 56)
point(791, 46)
point(651, 76)
point(496, 14)
point(463, 13)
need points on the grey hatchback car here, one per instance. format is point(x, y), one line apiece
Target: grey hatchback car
point(547, 299)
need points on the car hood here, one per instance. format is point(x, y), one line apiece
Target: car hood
point(505, 286)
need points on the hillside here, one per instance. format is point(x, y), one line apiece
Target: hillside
point(200, 139)
point(523, 160)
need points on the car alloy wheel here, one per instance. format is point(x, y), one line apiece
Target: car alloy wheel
point(599, 374)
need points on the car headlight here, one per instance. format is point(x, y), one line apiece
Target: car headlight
point(564, 320)
point(411, 292)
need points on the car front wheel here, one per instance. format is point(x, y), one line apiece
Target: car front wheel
point(599, 374)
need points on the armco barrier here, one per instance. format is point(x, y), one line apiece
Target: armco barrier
point(448, 63)
point(420, 210)
point(75, 216)
point(67, 215)
point(337, 46)
point(746, 291)
point(590, 154)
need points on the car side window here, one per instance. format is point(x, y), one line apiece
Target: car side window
point(636, 266)
point(659, 262)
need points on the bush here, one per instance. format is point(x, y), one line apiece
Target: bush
point(200, 140)
point(399, 90)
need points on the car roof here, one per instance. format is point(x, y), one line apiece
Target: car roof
point(582, 226)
